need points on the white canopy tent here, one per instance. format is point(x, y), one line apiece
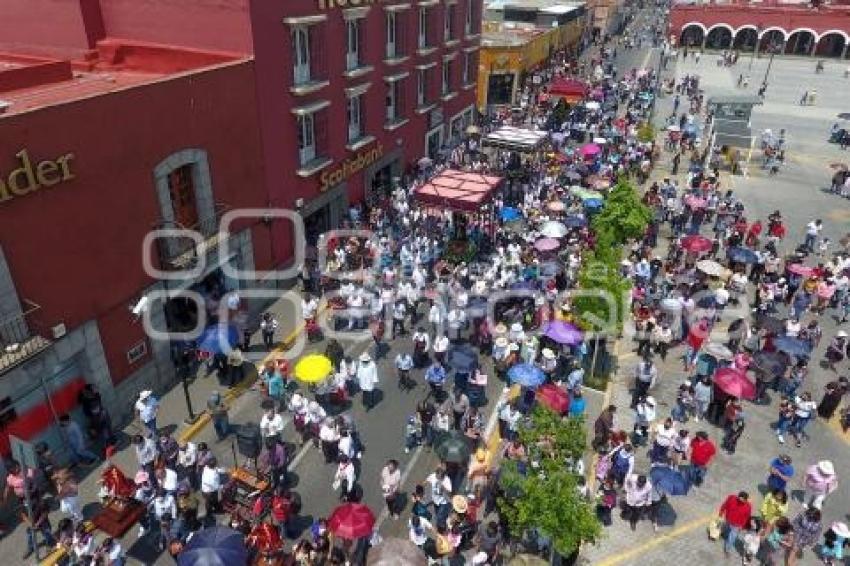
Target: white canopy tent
point(516, 139)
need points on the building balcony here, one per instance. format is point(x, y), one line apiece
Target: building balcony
point(22, 337)
point(181, 253)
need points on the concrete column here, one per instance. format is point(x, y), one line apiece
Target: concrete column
point(844, 51)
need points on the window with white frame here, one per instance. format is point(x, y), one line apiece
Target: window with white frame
point(355, 119)
point(423, 28)
point(352, 52)
point(422, 87)
point(447, 78)
point(391, 50)
point(392, 101)
point(306, 139)
point(467, 25)
point(448, 22)
point(467, 63)
point(301, 57)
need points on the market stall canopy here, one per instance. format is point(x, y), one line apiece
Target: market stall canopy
point(458, 190)
point(572, 90)
point(516, 139)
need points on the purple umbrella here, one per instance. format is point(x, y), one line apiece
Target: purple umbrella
point(546, 244)
point(563, 333)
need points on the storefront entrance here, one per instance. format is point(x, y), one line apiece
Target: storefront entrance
point(325, 213)
point(434, 142)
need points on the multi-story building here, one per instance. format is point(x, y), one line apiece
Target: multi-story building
point(352, 93)
point(120, 117)
point(792, 28)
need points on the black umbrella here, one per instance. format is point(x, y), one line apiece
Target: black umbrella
point(773, 363)
point(213, 547)
point(769, 323)
point(462, 358)
point(453, 447)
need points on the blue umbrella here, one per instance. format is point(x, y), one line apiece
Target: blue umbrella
point(510, 214)
point(215, 546)
point(669, 480)
point(527, 375)
point(218, 338)
point(594, 203)
point(742, 255)
point(793, 346)
point(574, 221)
point(462, 358)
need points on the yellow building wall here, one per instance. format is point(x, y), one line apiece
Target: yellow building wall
point(522, 59)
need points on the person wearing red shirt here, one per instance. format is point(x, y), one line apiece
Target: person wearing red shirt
point(736, 512)
point(702, 452)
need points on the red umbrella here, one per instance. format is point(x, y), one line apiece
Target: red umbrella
point(735, 383)
point(551, 396)
point(696, 244)
point(351, 521)
point(800, 269)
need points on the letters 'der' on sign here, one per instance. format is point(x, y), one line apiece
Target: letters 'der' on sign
point(28, 177)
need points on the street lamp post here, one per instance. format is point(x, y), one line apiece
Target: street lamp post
point(774, 47)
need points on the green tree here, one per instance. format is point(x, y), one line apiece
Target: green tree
point(646, 133)
point(547, 498)
point(624, 216)
point(602, 289)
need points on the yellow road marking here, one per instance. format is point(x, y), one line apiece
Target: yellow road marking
point(656, 540)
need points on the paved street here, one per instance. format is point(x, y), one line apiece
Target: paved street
point(798, 192)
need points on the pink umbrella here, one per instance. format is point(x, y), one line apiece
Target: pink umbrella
point(734, 382)
point(695, 201)
point(800, 269)
point(546, 244)
point(589, 150)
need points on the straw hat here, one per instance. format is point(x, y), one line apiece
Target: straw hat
point(460, 504)
point(500, 328)
point(144, 394)
point(501, 342)
point(365, 357)
point(548, 354)
point(841, 334)
point(826, 468)
point(480, 454)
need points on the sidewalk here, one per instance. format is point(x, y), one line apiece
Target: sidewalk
point(172, 419)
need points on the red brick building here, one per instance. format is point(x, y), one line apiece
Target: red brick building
point(352, 93)
point(119, 117)
point(795, 29)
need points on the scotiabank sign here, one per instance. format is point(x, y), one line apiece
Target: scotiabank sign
point(31, 176)
point(349, 167)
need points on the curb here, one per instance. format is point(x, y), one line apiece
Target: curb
point(234, 393)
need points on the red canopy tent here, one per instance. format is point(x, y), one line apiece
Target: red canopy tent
point(461, 192)
point(573, 90)
point(458, 190)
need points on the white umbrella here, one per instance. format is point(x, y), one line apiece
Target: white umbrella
point(710, 267)
point(673, 128)
point(600, 141)
point(719, 351)
point(553, 229)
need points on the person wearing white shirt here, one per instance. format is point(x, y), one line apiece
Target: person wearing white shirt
point(271, 424)
point(367, 379)
point(167, 479)
point(163, 504)
point(147, 408)
point(435, 317)
point(345, 478)
point(309, 308)
point(418, 530)
point(210, 487)
point(441, 489)
point(440, 346)
point(329, 437)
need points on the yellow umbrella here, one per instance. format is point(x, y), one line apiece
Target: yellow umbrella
point(313, 368)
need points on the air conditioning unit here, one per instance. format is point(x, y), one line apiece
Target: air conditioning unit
point(59, 331)
point(4, 105)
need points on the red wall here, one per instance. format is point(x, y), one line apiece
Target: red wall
point(75, 248)
point(220, 25)
point(273, 55)
point(49, 26)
